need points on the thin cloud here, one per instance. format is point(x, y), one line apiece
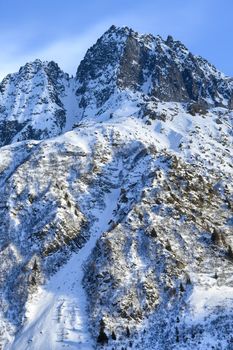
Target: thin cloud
point(67, 52)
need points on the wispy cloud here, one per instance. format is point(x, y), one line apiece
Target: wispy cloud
point(67, 52)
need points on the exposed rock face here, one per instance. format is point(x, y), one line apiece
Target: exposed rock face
point(122, 59)
point(139, 194)
point(97, 74)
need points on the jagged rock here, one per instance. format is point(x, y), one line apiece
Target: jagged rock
point(195, 108)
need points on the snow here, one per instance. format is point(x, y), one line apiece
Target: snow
point(126, 110)
point(147, 85)
point(70, 103)
point(80, 140)
point(56, 316)
point(207, 297)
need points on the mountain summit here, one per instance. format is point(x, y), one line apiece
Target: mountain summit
point(116, 200)
point(123, 59)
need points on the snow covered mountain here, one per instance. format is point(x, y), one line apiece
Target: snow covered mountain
point(116, 200)
point(40, 101)
point(35, 103)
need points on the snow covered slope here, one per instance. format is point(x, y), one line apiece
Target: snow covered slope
point(63, 299)
point(117, 234)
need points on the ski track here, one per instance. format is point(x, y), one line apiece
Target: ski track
point(56, 315)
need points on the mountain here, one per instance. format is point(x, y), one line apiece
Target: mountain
point(116, 200)
point(40, 101)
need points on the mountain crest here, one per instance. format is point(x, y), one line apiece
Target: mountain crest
point(123, 60)
point(122, 65)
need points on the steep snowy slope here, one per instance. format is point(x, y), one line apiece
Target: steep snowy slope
point(63, 300)
point(168, 203)
point(117, 234)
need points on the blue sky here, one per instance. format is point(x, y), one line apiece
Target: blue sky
point(62, 30)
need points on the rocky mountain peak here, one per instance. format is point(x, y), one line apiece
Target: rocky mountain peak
point(169, 40)
point(31, 68)
point(165, 69)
